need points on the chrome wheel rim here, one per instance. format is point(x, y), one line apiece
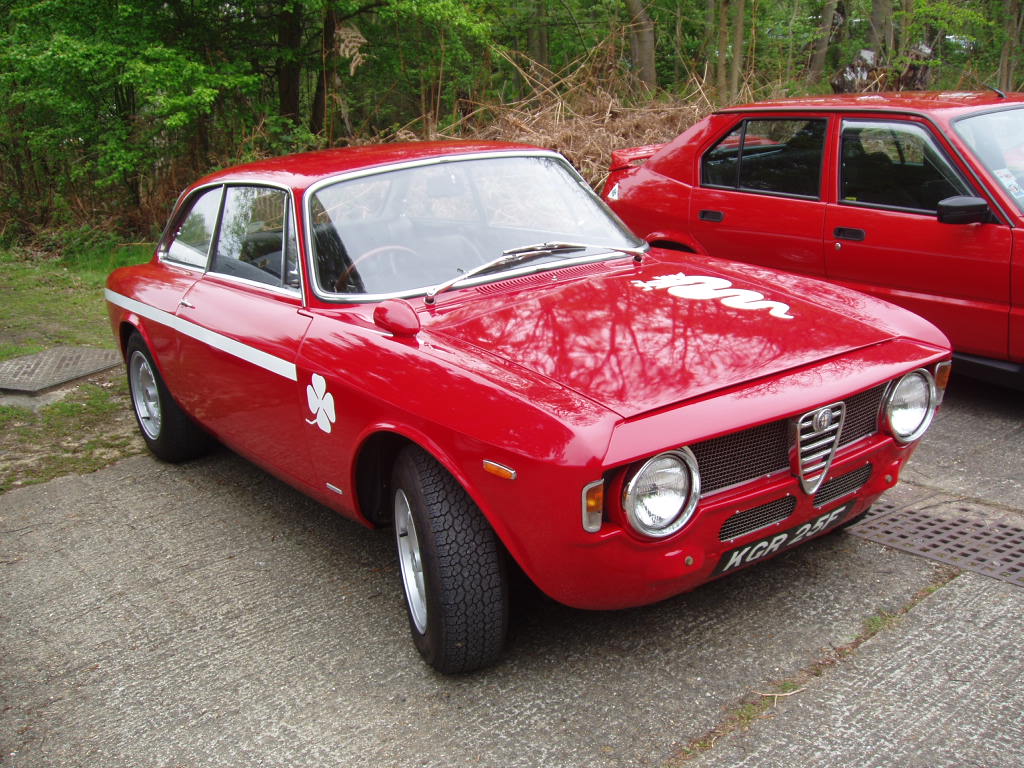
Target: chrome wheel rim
point(410, 562)
point(145, 396)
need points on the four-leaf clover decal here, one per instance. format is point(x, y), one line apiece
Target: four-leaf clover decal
point(321, 403)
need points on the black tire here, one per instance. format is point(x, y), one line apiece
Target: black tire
point(453, 568)
point(168, 431)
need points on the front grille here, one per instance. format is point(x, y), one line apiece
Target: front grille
point(862, 415)
point(757, 452)
point(750, 520)
point(742, 456)
point(838, 487)
point(817, 443)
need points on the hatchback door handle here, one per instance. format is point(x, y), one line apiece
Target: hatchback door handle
point(711, 215)
point(850, 233)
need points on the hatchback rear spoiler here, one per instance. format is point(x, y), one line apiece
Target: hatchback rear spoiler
point(623, 158)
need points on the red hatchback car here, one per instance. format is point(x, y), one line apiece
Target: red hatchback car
point(460, 341)
point(917, 198)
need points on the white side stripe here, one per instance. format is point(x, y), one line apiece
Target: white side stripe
point(216, 340)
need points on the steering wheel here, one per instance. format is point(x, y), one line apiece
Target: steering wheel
point(350, 276)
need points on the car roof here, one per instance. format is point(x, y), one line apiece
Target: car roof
point(299, 171)
point(950, 104)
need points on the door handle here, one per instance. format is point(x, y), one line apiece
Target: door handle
point(711, 215)
point(850, 233)
point(187, 304)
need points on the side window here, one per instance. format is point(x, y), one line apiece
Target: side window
point(895, 165)
point(190, 243)
point(779, 156)
point(254, 240)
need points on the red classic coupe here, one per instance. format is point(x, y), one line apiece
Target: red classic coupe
point(459, 340)
point(917, 198)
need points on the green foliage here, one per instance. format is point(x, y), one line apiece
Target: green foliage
point(108, 109)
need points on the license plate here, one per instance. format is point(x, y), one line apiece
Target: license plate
point(770, 545)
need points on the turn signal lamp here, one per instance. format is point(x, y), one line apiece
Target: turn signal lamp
point(593, 506)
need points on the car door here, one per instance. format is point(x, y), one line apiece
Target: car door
point(883, 236)
point(759, 196)
point(243, 324)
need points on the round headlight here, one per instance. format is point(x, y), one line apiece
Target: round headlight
point(911, 405)
point(662, 495)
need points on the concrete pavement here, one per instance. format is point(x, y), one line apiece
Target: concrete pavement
point(208, 615)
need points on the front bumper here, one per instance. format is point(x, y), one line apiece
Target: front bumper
point(615, 568)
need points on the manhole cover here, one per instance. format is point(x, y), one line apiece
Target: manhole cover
point(32, 374)
point(969, 539)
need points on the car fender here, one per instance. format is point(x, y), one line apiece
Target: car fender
point(415, 394)
point(675, 240)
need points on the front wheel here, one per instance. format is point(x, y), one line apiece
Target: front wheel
point(453, 567)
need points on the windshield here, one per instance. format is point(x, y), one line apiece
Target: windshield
point(404, 231)
point(997, 140)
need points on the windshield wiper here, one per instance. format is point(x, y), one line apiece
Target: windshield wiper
point(562, 247)
point(522, 254)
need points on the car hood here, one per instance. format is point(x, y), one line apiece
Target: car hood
point(635, 338)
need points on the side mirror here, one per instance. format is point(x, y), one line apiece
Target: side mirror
point(964, 210)
point(398, 317)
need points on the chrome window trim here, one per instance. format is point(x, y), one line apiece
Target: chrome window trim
point(163, 245)
point(755, 117)
point(369, 298)
point(282, 289)
point(930, 135)
point(278, 290)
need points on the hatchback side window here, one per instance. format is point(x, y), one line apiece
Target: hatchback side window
point(254, 239)
point(895, 165)
point(779, 156)
point(191, 240)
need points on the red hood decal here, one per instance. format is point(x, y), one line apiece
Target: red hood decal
point(637, 338)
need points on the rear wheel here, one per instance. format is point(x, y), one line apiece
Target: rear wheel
point(168, 431)
point(453, 567)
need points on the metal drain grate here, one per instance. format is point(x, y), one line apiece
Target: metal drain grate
point(32, 374)
point(989, 547)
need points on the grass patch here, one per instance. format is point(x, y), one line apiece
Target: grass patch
point(90, 428)
point(47, 300)
point(875, 624)
point(53, 295)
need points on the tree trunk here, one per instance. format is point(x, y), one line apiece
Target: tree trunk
point(882, 31)
point(642, 36)
point(723, 52)
point(328, 63)
point(709, 30)
point(537, 42)
point(289, 71)
point(817, 67)
point(904, 44)
point(1009, 56)
point(738, 26)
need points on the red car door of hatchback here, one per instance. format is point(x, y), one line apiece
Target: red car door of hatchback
point(883, 235)
point(758, 198)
